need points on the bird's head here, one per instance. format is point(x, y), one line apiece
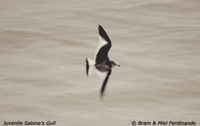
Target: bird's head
point(114, 64)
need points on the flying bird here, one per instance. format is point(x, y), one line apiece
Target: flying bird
point(101, 64)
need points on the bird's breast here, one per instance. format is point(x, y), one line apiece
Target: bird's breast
point(103, 67)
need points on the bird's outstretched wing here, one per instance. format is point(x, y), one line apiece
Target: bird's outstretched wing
point(104, 76)
point(104, 46)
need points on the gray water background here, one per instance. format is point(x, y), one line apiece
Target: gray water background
point(44, 43)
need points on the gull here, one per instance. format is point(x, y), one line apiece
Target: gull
point(101, 64)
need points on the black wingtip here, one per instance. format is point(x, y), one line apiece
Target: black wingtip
point(105, 82)
point(99, 26)
point(103, 34)
point(87, 66)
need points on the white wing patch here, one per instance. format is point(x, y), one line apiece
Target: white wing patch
point(102, 75)
point(102, 42)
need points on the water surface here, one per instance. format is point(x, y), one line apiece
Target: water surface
point(42, 61)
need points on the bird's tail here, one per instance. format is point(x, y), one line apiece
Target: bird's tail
point(90, 64)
